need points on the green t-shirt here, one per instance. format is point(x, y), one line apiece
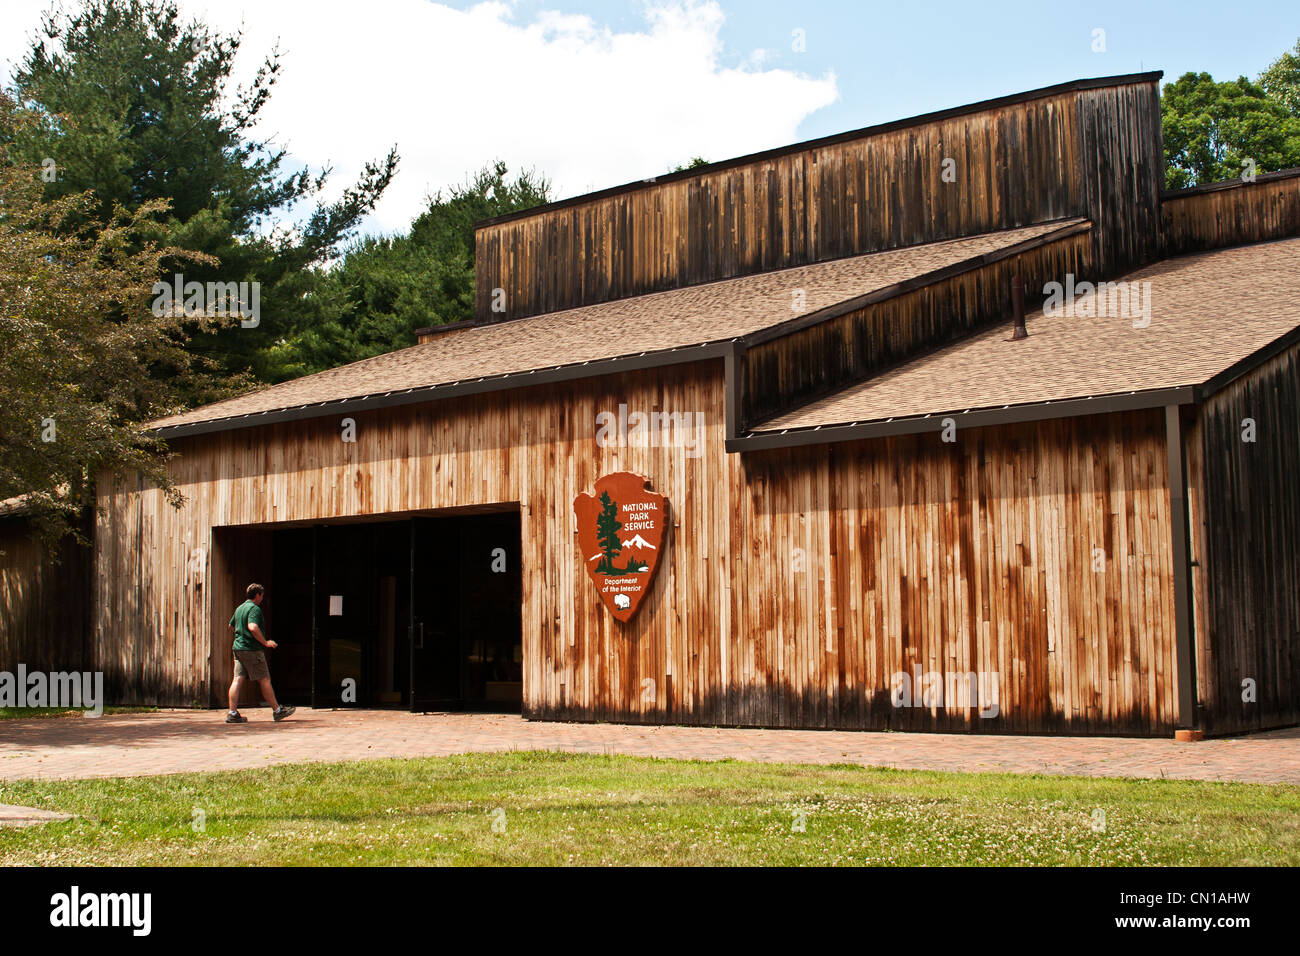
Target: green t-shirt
point(246, 614)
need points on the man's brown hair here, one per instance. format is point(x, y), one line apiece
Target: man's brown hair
point(254, 590)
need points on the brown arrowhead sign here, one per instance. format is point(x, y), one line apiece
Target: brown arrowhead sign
point(621, 533)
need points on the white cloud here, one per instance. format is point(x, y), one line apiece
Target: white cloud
point(454, 89)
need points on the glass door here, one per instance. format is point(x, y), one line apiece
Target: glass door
point(435, 632)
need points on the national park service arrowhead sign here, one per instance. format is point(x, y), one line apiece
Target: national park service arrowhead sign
point(621, 533)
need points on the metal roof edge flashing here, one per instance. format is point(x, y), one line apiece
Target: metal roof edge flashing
point(970, 418)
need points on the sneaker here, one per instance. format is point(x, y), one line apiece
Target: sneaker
point(235, 717)
point(283, 712)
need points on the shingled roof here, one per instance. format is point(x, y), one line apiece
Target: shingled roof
point(1209, 312)
point(658, 323)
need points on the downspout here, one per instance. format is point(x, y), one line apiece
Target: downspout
point(315, 550)
point(1184, 653)
point(735, 365)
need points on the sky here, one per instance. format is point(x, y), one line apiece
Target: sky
point(597, 94)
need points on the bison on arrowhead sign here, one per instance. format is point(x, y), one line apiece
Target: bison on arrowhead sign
point(620, 532)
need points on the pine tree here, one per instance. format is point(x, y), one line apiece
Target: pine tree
point(136, 104)
point(607, 528)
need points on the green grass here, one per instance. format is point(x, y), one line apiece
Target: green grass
point(584, 809)
point(27, 713)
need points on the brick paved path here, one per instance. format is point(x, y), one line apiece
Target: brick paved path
point(178, 741)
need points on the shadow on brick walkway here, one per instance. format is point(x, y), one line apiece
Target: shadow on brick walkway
point(181, 741)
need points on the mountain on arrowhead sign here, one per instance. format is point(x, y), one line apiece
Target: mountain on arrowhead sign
point(621, 533)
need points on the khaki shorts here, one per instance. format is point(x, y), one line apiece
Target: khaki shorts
point(251, 664)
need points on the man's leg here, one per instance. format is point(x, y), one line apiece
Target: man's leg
point(236, 687)
point(268, 695)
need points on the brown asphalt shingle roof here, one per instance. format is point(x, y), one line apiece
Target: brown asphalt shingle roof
point(1208, 311)
point(677, 318)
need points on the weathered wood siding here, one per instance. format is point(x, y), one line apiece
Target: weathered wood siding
point(1231, 214)
point(1093, 153)
point(1039, 552)
point(168, 570)
point(801, 366)
point(794, 584)
point(149, 600)
point(1123, 172)
point(1245, 531)
point(44, 603)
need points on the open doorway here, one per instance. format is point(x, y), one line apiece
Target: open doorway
point(360, 613)
point(467, 646)
point(421, 613)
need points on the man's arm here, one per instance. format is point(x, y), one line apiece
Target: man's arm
point(257, 633)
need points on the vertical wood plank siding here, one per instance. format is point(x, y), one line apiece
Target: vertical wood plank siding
point(1246, 549)
point(912, 553)
point(1123, 172)
point(804, 365)
point(44, 604)
point(1093, 153)
point(1231, 214)
point(1039, 552)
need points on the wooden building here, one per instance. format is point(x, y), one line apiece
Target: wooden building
point(878, 512)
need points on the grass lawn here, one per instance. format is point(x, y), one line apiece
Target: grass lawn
point(551, 808)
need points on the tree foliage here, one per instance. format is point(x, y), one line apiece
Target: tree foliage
point(387, 287)
point(1214, 131)
point(694, 163)
point(83, 358)
point(1281, 80)
point(131, 105)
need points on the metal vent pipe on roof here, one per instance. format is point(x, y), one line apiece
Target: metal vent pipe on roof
point(1018, 330)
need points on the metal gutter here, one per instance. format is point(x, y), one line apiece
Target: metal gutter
point(1184, 652)
point(969, 418)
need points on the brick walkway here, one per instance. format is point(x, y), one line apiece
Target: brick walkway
point(180, 741)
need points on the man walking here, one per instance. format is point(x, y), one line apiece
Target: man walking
point(250, 659)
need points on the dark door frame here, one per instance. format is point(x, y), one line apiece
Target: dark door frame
point(315, 633)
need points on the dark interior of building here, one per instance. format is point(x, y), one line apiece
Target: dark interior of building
point(421, 613)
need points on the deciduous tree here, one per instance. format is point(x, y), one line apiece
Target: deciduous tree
point(84, 359)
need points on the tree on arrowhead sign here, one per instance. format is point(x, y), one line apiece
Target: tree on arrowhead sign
point(621, 533)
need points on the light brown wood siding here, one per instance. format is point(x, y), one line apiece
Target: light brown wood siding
point(794, 585)
point(1093, 153)
point(1037, 552)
